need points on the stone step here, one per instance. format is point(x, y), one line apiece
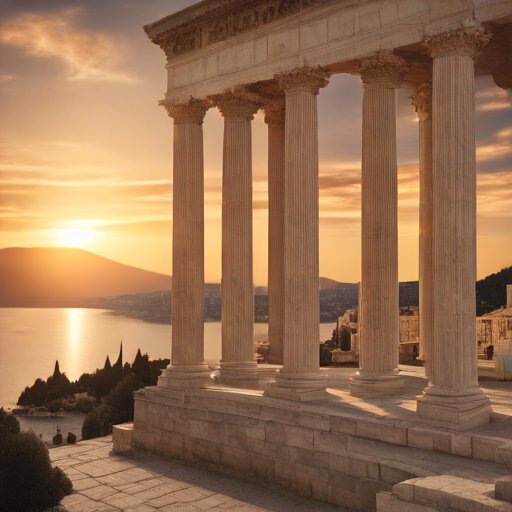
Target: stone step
point(442, 493)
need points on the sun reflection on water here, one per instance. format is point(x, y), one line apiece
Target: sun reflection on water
point(74, 335)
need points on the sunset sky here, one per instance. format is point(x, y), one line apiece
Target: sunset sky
point(86, 153)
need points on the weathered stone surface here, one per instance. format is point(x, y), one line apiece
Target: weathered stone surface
point(503, 488)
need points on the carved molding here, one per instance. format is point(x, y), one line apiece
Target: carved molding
point(466, 40)
point(422, 100)
point(190, 112)
point(382, 69)
point(238, 103)
point(230, 19)
point(303, 79)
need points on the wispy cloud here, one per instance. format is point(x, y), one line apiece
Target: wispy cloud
point(491, 98)
point(498, 146)
point(89, 56)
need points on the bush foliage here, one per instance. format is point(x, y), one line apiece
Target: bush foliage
point(28, 482)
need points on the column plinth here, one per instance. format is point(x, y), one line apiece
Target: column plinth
point(238, 363)
point(422, 100)
point(381, 74)
point(187, 368)
point(275, 119)
point(300, 378)
point(453, 398)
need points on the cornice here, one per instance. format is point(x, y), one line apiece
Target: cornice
point(209, 22)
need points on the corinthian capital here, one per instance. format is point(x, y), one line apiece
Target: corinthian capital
point(422, 100)
point(274, 113)
point(186, 112)
point(466, 40)
point(238, 103)
point(305, 79)
point(382, 69)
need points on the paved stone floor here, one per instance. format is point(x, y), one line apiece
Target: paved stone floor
point(142, 482)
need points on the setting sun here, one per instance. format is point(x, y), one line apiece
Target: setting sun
point(75, 237)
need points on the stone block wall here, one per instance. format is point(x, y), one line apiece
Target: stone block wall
point(310, 450)
point(313, 455)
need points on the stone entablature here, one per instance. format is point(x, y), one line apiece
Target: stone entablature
point(219, 22)
point(334, 35)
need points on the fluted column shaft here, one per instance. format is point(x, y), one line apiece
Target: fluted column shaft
point(188, 246)
point(238, 354)
point(187, 368)
point(276, 280)
point(379, 232)
point(300, 378)
point(237, 281)
point(378, 306)
point(423, 103)
point(453, 395)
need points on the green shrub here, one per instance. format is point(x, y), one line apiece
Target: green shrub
point(85, 404)
point(28, 482)
point(97, 423)
point(9, 424)
point(55, 405)
point(117, 407)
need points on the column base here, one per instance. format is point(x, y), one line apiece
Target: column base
point(375, 384)
point(455, 408)
point(273, 359)
point(186, 376)
point(236, 373)
point(299, 387)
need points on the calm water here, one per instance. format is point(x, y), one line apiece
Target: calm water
point(32, 339)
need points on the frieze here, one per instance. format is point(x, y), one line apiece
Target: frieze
point(382, 69)
point(466, 40)
point(422, 100)
point(224, 22)
point(304, 79)
point(190, 112)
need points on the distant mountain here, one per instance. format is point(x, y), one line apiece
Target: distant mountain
point(331, 284)
point(491, 292)
point(45, 276)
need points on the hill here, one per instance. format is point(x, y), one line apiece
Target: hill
point(331, 284)
point(45, 276)
point(491, 292)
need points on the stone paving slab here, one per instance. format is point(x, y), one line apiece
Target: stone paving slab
point(104, 481)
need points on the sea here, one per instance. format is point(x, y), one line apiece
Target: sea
point(32, 339)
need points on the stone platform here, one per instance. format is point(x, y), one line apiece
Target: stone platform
point(343, 451)
point(104, 481)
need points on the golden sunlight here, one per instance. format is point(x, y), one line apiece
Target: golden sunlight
point(75, 237)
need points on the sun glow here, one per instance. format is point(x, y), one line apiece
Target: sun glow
point(76, 237)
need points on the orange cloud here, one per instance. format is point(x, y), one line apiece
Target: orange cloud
point(501, 147)
point(88, 55)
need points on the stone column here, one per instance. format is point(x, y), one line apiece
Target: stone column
point(382, 74)
point(238, 353)
point(423, 103)
point(187, 368)
point(274, 117)
point(453, 398)
point(300, 378)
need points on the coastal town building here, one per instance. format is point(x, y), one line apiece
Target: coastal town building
point(277, 55)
